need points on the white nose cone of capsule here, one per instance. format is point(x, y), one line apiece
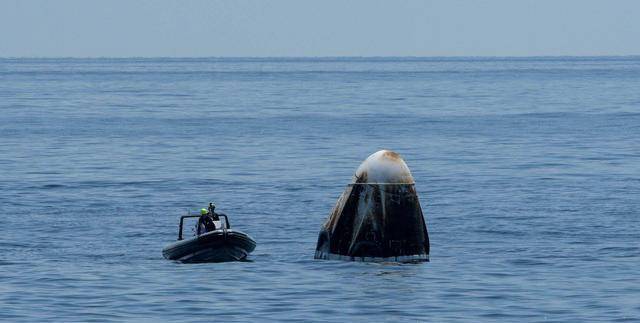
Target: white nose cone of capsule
point(378, 217)
point(383, 167)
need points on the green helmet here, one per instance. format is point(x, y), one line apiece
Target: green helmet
point(203, 211)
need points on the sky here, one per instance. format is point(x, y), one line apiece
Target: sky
point(241, 28)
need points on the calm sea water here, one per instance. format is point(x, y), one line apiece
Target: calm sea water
point(528, 171)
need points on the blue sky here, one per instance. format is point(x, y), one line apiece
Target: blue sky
point(196, 28)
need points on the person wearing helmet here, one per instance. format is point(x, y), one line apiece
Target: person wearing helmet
point(212, 213)
point(205, 221)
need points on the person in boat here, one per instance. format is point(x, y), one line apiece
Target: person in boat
point(205, 221)
point(212, 212)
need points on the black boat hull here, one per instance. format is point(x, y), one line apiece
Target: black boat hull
point(215, 246)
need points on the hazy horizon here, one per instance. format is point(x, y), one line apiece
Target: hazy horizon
point(321, 57)
point(288, 28)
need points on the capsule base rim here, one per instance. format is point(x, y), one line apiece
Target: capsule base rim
point(403, 258)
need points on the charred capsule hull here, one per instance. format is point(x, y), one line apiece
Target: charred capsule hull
point(375, 223)
point(377, 218)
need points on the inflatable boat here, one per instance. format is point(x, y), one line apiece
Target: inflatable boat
point(220, 245)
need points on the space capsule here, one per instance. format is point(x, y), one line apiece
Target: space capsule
point(378, 216)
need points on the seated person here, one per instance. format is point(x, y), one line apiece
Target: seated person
point(205, 222)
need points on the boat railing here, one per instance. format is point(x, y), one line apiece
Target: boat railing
point(189, 215)
point(226, 221)
point(182, 223)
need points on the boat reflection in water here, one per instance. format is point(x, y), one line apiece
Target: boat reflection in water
point(378, 217)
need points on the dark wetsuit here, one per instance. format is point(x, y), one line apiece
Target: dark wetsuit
point(206, 221)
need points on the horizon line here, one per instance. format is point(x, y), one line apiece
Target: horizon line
point(320, 57)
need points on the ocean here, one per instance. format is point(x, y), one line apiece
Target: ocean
point(527, 169)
